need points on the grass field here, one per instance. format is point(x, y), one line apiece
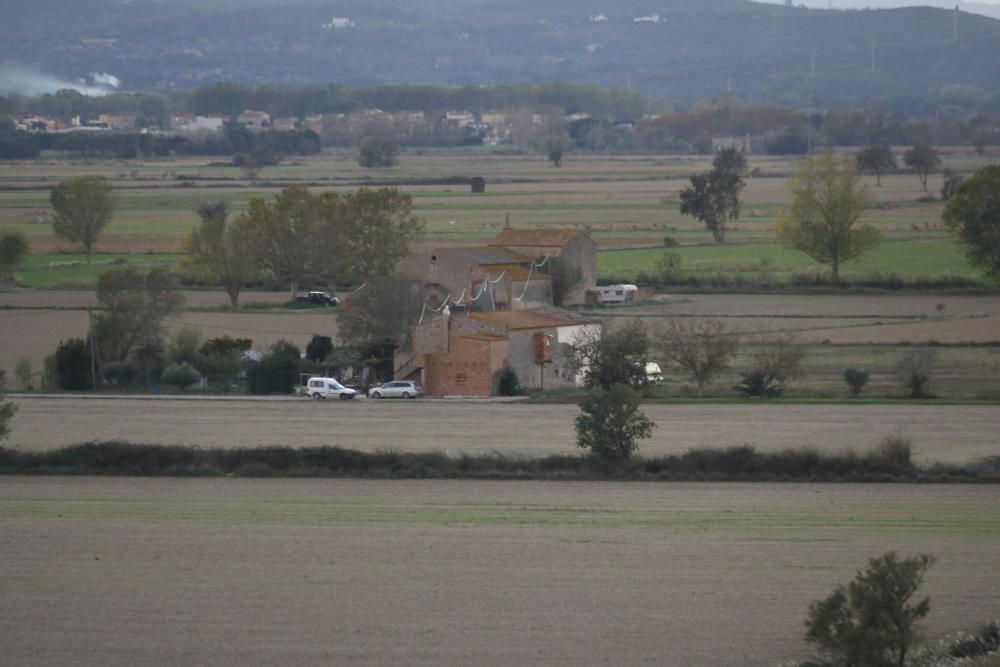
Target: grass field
point(119, 571)
point(773, 263)
point(615, 196)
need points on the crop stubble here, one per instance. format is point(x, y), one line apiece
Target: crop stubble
point(954, 433)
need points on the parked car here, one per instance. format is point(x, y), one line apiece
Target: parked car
point(318, 388)
point(321, 298)
point(396, 389)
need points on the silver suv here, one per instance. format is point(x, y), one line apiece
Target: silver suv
point(396, 389)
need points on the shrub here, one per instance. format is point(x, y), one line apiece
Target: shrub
point(759, 383)
point(120, 373)
point(184, 348)
point(13, 251)
point(510, 385)
point(896, 449)
point(181, 375)
point(779, 358)
point(668, 268)
point(24, 373)
point(915, 370)
point(319, 348)
point(277, 372)
point(871, 621)
point(73, 365)
point(377, 153)
point(670, 242)
point(7, 409)
point(985, 641)
point(610, 423)
point(701, 348)
point(856, 380)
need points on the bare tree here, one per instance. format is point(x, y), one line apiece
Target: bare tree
point(779, 357)
point(702, 348)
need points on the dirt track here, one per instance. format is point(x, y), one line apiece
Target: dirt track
point(939, 432)
point(280, 572)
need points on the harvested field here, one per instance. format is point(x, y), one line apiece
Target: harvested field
point(183, 571)
point(955, 433)
point(841, 319)
point(820, 305)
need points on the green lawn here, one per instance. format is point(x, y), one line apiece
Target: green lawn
point(909, 260)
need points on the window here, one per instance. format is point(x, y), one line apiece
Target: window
point(461, 378)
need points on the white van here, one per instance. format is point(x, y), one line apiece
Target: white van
point(328, 387)
point(617, 293)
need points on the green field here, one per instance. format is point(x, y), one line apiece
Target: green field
point(45, 270)
point(968, 517)
point(773, 262)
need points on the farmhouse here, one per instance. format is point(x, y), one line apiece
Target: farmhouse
point(491, 306)
point(575, 249)
point(457, 353)
point(485, 278)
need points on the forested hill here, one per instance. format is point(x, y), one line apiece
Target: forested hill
point(669, 49)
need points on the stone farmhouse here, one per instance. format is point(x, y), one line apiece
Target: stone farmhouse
point(491, 306)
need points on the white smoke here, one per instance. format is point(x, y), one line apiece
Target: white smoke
point(105, 79)
point(23, 80)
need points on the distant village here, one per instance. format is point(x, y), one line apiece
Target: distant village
point(491, 128)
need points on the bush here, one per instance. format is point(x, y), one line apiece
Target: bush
point(120, 373)
point(985, 641)
point(871, 621)
point(376, 153)
point(914, 372)
point(319, 348)
point(896, 449)
point(856, 380)
point(7, 409)
point(73, 365)
point(24, 373)
point(181, 375)
point(277, 372)
point(610, 423)
point(670, 242)
point(510, 385)
point(668, 268)
point(759, 383)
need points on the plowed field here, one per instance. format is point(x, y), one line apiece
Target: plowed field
point(939, 432)
point(279, 572)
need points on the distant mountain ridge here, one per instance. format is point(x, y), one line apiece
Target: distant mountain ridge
point(669, 49)
point(982, 8)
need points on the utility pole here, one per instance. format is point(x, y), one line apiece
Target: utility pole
point(91, 343)
point(873, 56)
point(812, 69)
point(954, 25)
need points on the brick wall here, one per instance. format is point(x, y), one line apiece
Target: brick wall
point(467, 370)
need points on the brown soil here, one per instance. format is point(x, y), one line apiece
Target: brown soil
point(86, 584)
point(939, 433)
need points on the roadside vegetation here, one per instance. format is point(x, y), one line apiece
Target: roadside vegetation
point(889, 463)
